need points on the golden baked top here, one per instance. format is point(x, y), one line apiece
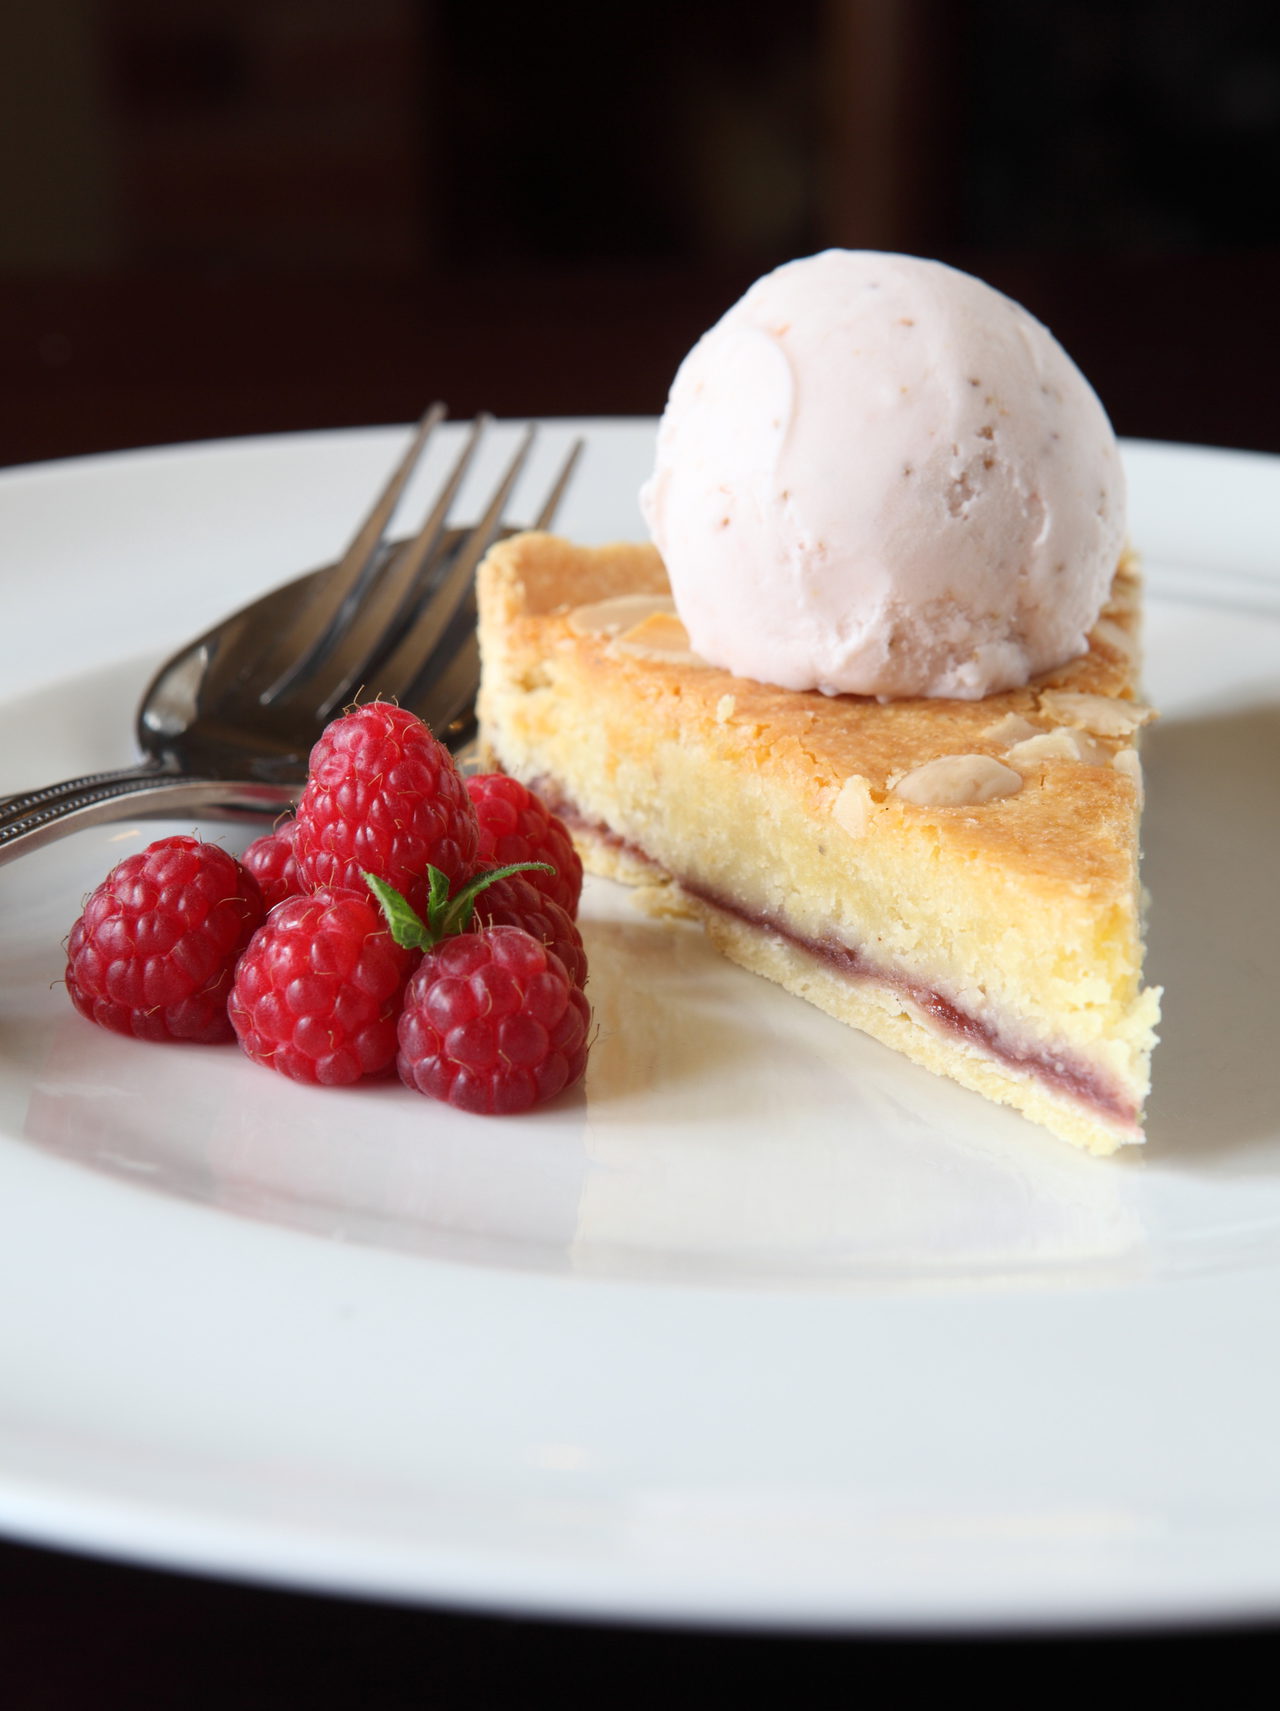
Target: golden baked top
point(1019, 774)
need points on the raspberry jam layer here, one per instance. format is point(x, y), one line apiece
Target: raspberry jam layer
point(1060, 1071)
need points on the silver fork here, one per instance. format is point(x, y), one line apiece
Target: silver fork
point(226, 724)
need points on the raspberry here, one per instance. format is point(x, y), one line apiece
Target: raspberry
point(154, 953)
point(516, 826)
point(383, 797)
point(317, 992)
point(516, 902)
point(272, 861)
point(492, 1023)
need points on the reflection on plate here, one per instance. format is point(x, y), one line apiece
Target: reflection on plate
point(761, 1298)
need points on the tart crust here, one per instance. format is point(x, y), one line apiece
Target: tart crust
point(982, 917)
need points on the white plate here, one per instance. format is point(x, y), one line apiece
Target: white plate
point(767, 1326)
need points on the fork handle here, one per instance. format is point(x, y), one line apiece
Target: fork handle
point(38, 817)
point(25, 802)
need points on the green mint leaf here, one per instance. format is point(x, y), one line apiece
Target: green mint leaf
point(445, 915)
point(403, 921)
point(437, 900)
point(457, 918)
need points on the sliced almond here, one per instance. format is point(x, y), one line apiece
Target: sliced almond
point(1129, 762)
point(1115, 636)
point(851, 809)
point(724, 708)
point(1101, 714)
point(1013, 728)
point(622, 612)
point(958, 781)
point(1061, 744)
point(661, 636)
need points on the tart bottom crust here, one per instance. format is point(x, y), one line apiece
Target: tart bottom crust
point(874, 1007)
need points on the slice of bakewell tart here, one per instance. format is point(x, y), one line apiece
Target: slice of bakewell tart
point(959, 879)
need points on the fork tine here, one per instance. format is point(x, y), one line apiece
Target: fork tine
point(386, 610)
point(446, 698)
point(294, 651)
point(443, 689)
point(399, 660)
point(551, 504)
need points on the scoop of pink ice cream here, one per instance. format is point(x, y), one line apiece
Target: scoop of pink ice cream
point(878, 476)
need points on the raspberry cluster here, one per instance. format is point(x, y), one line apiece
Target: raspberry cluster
point(404, 916)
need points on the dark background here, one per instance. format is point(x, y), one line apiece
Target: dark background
point(239, 216)
point(234, 216)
